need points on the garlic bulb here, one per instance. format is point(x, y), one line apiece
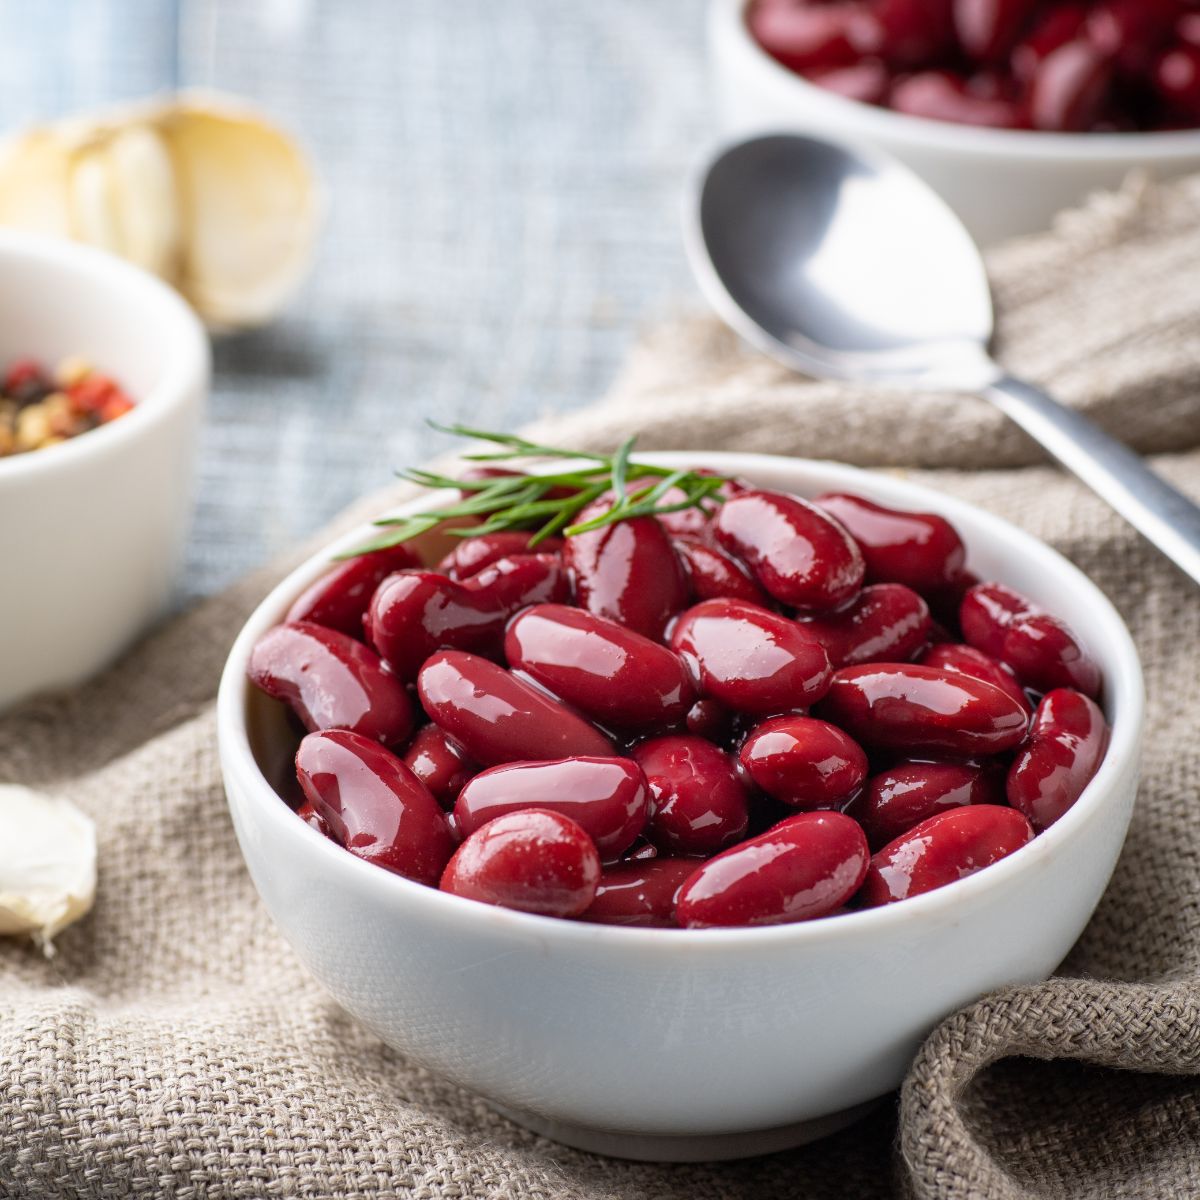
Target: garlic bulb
point(47, 863)
point(198, 189)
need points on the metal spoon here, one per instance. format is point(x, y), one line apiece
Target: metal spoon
point(841, 263)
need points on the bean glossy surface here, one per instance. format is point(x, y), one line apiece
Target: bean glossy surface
point(715, 574)
point(698, 805)
point(533, 861)
point(803, 762)
point(510, 584)
point(806, 866)
point(472, 554)
point(1040, 648)
point(905, 795)
point(941, 850)
point(616, 676)
point(374, 805)
point(966, 660)
point(628, 572)
point(920, 550)
point(414, 613)
point(331, 681)
point(339, 599)
point(640, 893)
point(911, 709)
point(607, 797)
point(1066, 745)
point(799, 554)
point(440, 763)
point(888, 622)
point(751, 659)
point(498, 718)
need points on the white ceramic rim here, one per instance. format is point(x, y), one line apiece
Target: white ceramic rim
point(185, 348)
point(727, 22)
point(1125, 692)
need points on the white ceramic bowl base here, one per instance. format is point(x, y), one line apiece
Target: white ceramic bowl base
point(91, 531)
point(686, 1045)
point(1001, 182)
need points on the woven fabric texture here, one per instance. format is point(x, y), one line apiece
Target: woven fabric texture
point(174, 1047)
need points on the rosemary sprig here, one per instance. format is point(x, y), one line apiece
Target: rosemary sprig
point(547, 503)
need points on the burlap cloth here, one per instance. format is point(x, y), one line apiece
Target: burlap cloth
point(174, 1046)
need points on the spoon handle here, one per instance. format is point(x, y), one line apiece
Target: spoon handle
point(1163, 515)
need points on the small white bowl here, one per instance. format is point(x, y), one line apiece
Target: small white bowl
point(91, 530)
point(678, 1044)
point(1001, 182)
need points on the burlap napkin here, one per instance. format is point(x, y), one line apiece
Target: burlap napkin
point(174, 1047)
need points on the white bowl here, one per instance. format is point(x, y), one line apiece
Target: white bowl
point(91, 530)
point(677, 1044)
point(1001, 182)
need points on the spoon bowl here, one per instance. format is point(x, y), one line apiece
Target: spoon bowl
point(841, 263)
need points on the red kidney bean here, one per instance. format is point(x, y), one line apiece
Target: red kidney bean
point(640, 893)
point(905, 795)
point(1066, 745)
point(628, 572)
point(1070, 87)
point(1052, 28)
point(1042, 651)
point(803, 762)
point(1176, 78)
point(498, 718)
point(339, 599)
point(697, 803)
point(887, 623)
point(472, 554)
point(374, 805)
point(1130, 31)
point(941, 849)
point(814, 38)
point(310, 816)
point(414, 613)
point(331, 681)
point(750, 659)
point(510, 584)
point(988, 29)
point(691, 523)
point(915, 31)
point(440, 763)
point(806, 866)
point(715, 574)
point(915, 709)
point(920, 550)
point(800, 554)
point(608, 797)
point(945, 96)
point(534, 861)
point(708, 719)
point(616, 676)
point(866, 81)
point(966, 660)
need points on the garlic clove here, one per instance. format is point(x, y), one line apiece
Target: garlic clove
point(34, 184)
point(249, 210)
point(145, 200)
point(47, 863)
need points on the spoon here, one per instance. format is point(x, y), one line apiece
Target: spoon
point(841, 263)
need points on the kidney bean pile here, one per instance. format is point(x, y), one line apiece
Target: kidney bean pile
point(1062, 65)
point(39, 409)
point(774, 711)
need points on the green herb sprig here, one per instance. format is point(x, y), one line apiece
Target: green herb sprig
point(548, 503)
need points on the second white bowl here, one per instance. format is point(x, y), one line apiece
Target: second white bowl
point(1001, 182)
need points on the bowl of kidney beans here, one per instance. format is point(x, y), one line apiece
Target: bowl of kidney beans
point(1038, 100)
point(787, 779)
